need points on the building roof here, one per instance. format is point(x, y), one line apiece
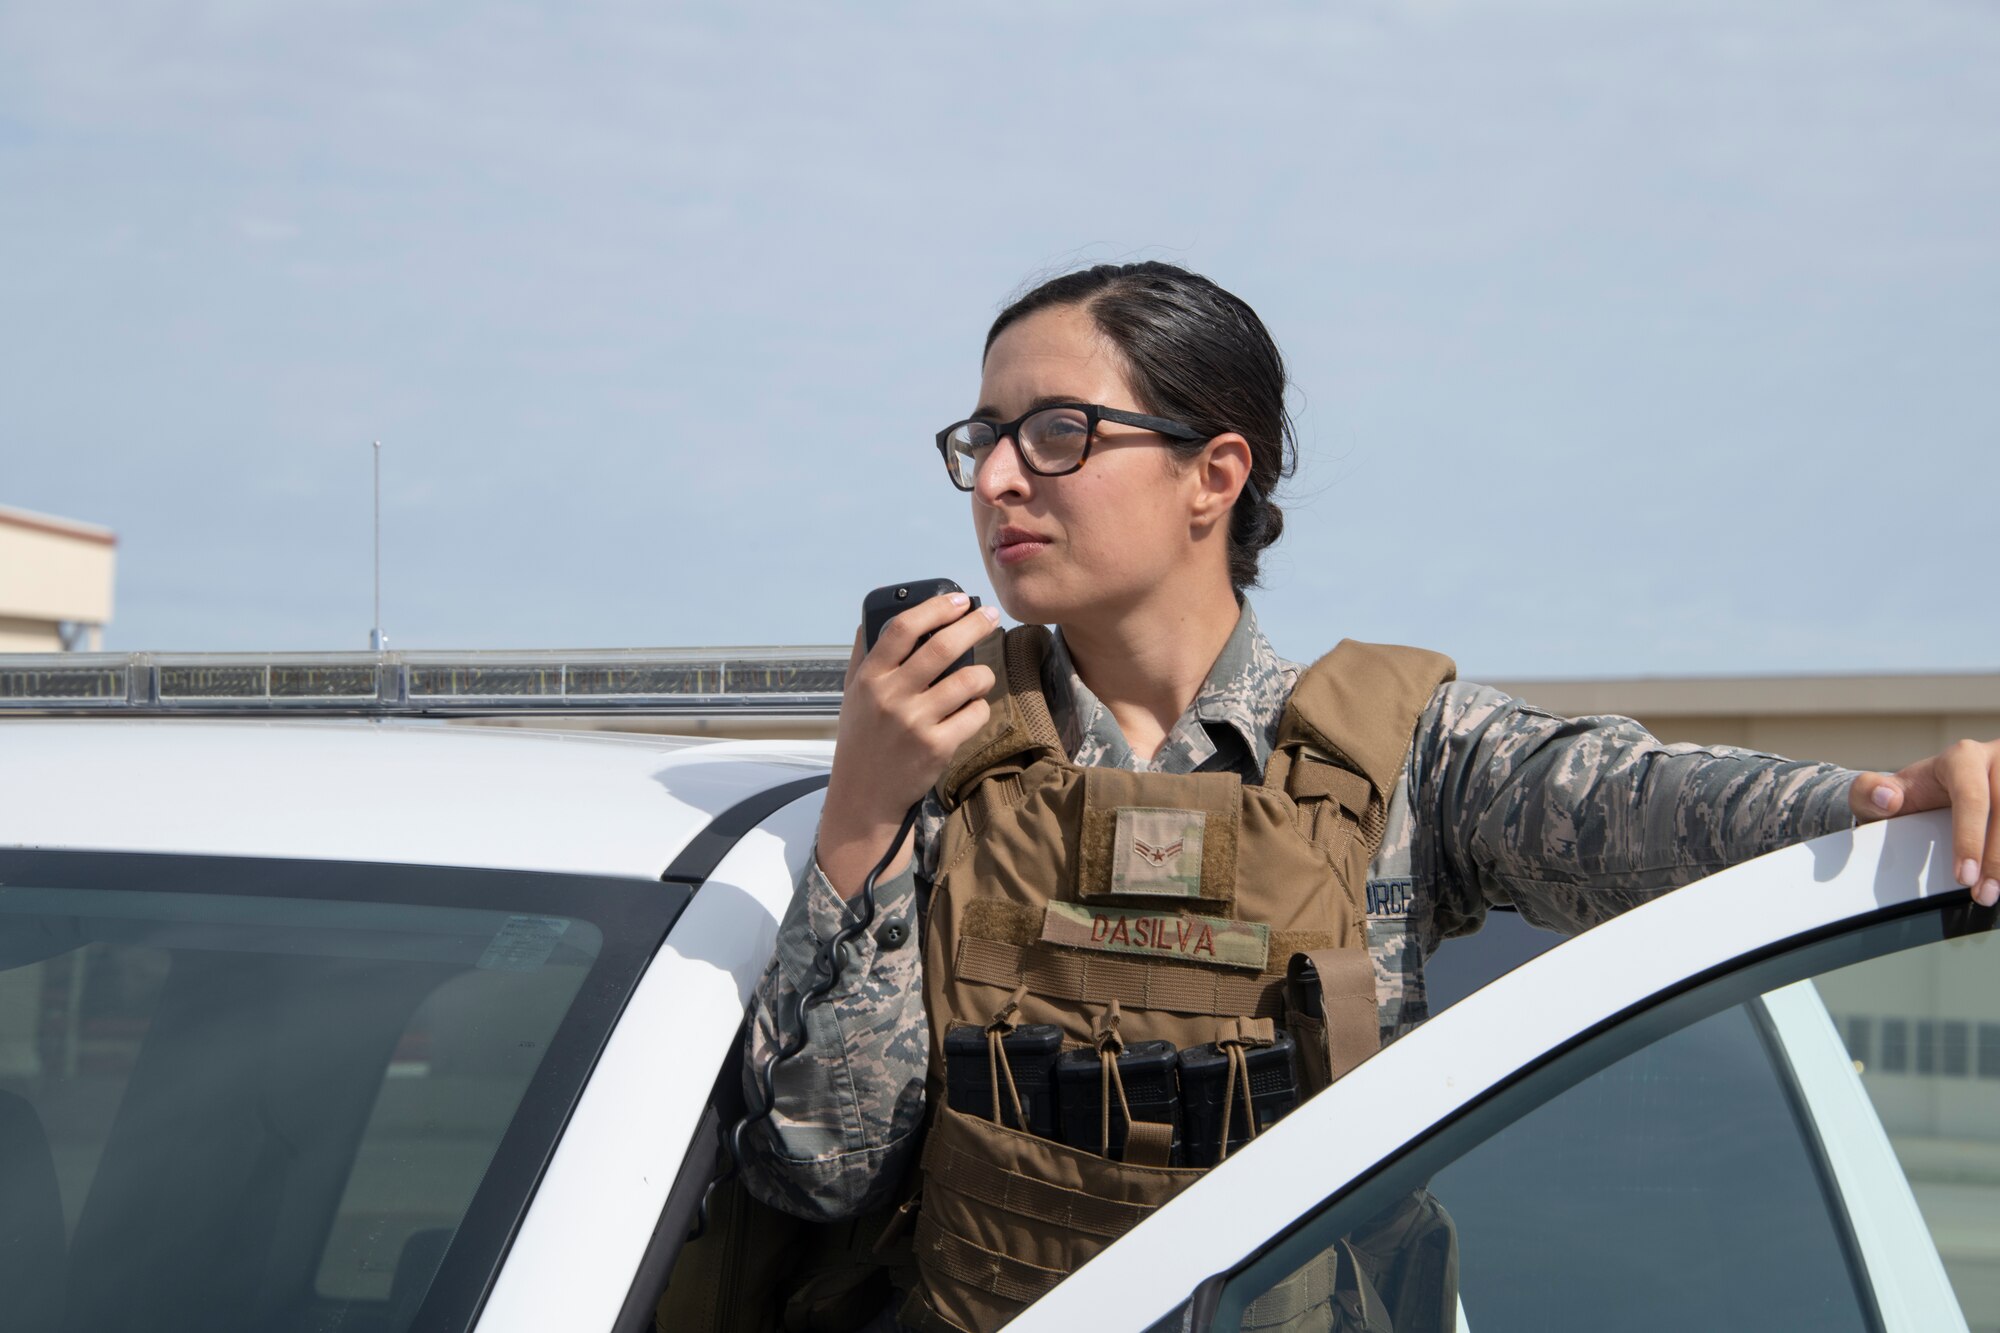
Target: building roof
point(1881, 694)
point(58, 527)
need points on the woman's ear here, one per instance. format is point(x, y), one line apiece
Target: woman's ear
point(1220, 472)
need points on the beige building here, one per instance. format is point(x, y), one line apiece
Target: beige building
point(1877, 722)
point(55, 582)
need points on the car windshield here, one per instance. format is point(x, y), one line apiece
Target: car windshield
point(259, 1095)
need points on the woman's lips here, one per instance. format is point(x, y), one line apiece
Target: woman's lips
point(1013, 553)
point(1012, 545)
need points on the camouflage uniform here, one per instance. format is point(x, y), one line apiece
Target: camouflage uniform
point(1570, 821)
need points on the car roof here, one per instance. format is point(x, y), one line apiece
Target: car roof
point(394, 790)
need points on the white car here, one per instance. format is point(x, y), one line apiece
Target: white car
point(384, 1024)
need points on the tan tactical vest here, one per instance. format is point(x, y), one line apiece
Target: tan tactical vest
point(1127, 906)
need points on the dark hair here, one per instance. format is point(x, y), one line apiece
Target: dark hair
point(1197, 354)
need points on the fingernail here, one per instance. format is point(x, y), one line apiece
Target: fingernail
point(992, 613)
point(1968, 872)
point(1881, 798)
point(1989, 893)
point(959, 599)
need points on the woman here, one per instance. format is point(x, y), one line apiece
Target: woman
point(1129, 433)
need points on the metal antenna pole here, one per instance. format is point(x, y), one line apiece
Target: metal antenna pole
point(376, 640)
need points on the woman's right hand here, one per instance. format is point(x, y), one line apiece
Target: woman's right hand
point(899, 727)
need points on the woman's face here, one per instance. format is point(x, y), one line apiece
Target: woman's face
point(1097, 542)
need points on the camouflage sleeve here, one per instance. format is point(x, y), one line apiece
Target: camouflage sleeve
point(849, 1103)
point(1573, 820)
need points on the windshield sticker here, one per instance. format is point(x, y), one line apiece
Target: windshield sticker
point(524, 943)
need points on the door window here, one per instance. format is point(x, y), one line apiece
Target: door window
point(1922, 1027)
point(1676, 1171)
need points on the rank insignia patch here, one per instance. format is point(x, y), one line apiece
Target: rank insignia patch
point(1158, 852)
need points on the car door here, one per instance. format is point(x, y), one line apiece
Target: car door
point(631, 1171)
point(1767, 1100)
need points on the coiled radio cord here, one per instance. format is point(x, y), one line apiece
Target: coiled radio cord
point(826, 975)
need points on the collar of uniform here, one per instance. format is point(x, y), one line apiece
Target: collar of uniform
point(1246, 689)
point(1235, 715)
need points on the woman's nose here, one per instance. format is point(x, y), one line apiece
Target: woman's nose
point(1000, 473)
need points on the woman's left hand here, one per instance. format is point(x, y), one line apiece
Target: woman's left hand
point(1965, 777)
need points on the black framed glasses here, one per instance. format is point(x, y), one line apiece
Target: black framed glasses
point(1052, 440)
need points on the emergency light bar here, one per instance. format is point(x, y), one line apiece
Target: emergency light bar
point(772, 681)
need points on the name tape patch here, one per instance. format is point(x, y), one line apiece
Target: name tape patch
point(1129, 930)
point(1157, 851)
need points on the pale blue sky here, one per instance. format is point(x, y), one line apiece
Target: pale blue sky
point(1627, 338)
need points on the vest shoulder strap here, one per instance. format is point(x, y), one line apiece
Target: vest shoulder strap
point(1019, 724)
point(1354, 710)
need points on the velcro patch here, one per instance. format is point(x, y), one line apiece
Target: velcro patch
point(1129, 930)
point(1158, 852)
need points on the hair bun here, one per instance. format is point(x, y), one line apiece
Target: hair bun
point(1255, 522)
